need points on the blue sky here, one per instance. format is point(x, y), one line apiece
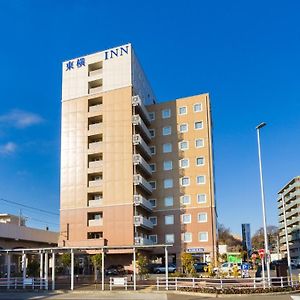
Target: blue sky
point(244, 53)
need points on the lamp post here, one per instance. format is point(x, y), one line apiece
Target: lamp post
point(258, 127)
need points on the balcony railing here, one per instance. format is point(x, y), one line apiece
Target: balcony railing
point(96, 72)
point(98, 222)
point(139, 200)
point(95, 128)
point(137, 102)
point(139, 180)
point(95, 145)
point(95, 203)
point(143, 222)
point(138, 160)
point(95, 164)
point(94, 90)
point(140, 241)
point(97, 182)
point(138, 121)
point(95, 108)
point(137, 140)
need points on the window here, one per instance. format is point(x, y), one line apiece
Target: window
point(169, 219)
point(200, 179)
point(203, 236)
point(186, 218)
point(152, 115)
point(152, 132)
point(200, 161)
point(153, 202)
point(183, 127)
point(153, 167)
point(169, 238)
point(184, 145)
point(199, 125)
point(186, 199)
point(182, 110)
point(94, 235)
point(202, 217)
point(167, 148)
point(199, 143)
point(201, 198)
point(167, 165)
point(167, 130)
point(197, 107)
point(152, 150)
point(168, 183)
point(185, 181)
point(166, 113)
point(153, 184)
point(187, 237)
point(153, 238)
point(153, 220)
point(168, 201)
point(184, 163)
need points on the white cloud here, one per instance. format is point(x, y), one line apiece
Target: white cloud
point(20, 119)
point(8, 148)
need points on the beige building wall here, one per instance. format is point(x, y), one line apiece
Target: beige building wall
point(178, 209)
point(115, 168)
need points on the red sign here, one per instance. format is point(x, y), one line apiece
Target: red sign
point(261, 253)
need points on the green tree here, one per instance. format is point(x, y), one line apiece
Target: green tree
point(187, 262)
point(97, 262)
point(33, 268)
point(65, 260)
point(142, 262)
point(225, 237)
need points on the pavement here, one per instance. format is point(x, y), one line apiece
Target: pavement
point(130, 295)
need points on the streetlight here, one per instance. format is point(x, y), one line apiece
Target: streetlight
point(258, 127)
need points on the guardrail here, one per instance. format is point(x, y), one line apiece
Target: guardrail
point(20, 283)
point(175, 283)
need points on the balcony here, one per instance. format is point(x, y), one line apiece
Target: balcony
point(140, 241)
point(137, 140)
point(95, 90)
point(96, 164)
point(143, 129)
point(143, 222)
point(139, 180)
point(139, 200)
point(138, 160)
point(95, 128)
point(95, 222)
point(95, 147)
point(95, 203)
point(138, 103)
point(95, 108)
point(95, 183)
point(95, 72)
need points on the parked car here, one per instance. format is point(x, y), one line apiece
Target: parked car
point(115, 270)
point(227, 267)
point(162, 269)
point(200, 267)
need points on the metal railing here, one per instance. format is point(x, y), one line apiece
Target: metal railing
point(27, 283)
point(175, 283)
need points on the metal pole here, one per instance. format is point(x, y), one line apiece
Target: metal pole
point(46, 270)
point(167, 268)
point(263, 271)
point(41, 269)
point(102, 271)
point(53, 271)
point(8, 270)
point(72, 270)
point(286, 236)
point(263, 202)
point(134, 269)
point(24, 268)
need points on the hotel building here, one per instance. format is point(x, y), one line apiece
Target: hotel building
point(290, 194)
point(133, 171)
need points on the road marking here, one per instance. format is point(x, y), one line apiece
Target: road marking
point(295, 297)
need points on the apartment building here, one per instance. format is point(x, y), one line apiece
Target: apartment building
point(133, 171)
point(290, 194)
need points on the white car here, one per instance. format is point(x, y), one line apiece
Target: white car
point(227, 267)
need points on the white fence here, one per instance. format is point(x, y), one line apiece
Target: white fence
point(175, 283)
point(27, 283)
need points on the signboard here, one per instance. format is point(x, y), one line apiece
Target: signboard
point(120, 281)
point(245, 267)
point(194, 250)
point(261, 253)
point(28, 281)
point(246, 236)
point(234, 258)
